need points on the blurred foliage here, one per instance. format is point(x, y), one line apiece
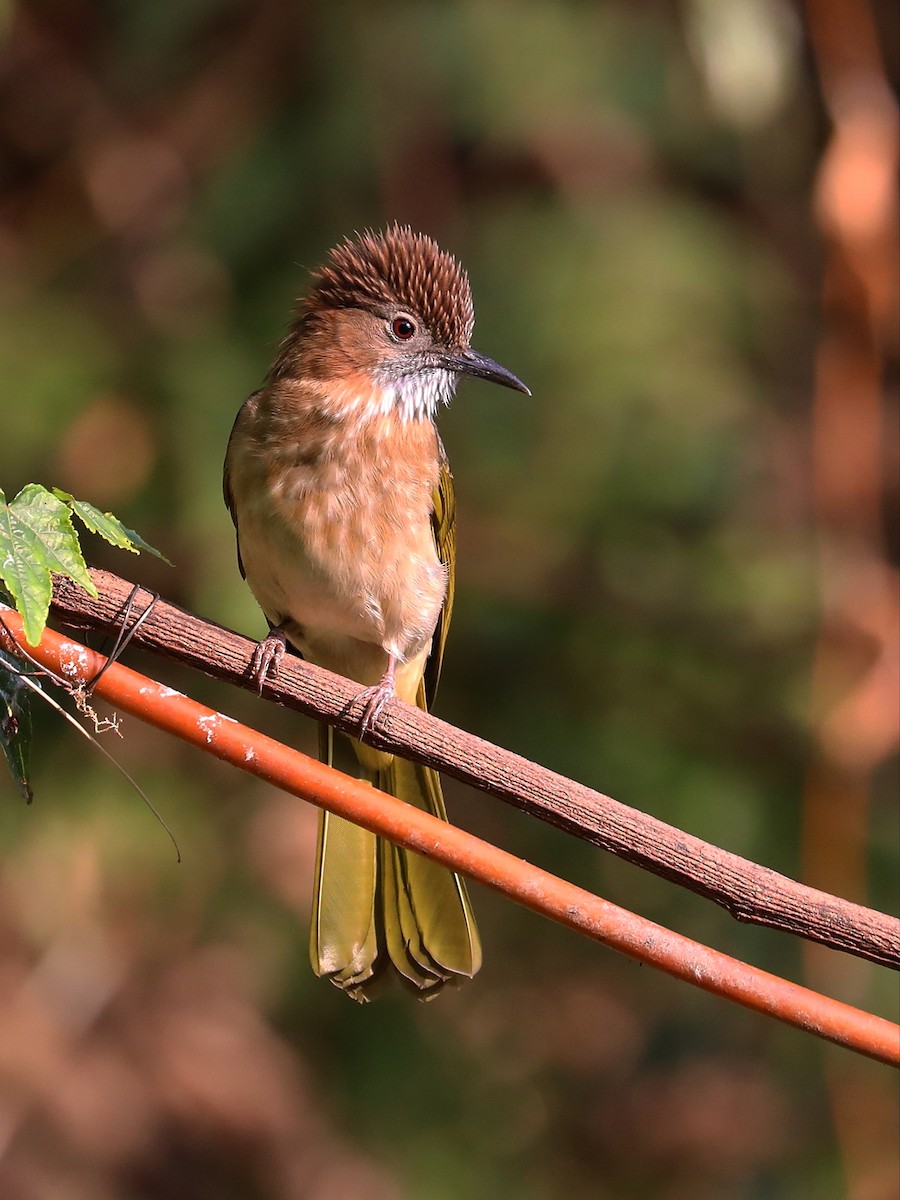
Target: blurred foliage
point(630, 186)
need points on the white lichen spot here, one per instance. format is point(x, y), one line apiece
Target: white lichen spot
point(73, 660)
point(208, 725)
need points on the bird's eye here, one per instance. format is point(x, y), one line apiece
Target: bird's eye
point(403, 328)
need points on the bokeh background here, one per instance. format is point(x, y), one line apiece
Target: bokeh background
point(677, 578)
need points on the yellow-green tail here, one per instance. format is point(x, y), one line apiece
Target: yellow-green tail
point(379, 909)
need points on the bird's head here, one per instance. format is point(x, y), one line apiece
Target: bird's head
point(389, 317)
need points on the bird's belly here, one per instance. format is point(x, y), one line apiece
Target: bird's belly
point(350, 599)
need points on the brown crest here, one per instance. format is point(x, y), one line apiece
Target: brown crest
point(398, 269)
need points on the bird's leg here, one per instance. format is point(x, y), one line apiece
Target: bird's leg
point(373, 699)
point(268, 655)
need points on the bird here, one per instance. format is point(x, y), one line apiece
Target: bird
point(343, 503)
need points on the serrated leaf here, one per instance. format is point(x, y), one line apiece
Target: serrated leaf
point(41, 539)
point(108, 526)
point(26, 578)
point(50, 521)
point(15, 723)
point(37, 537)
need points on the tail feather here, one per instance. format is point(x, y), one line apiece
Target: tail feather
point(402, 936)
point(437, 897)
point(378, 906)
point(343, 933)
point(343, 941)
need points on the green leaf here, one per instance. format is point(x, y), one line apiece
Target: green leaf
point(36, 538)
point(108, 526)
point(26, 580)
point(15, 722)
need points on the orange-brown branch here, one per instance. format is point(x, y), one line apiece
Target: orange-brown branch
point(419, 831)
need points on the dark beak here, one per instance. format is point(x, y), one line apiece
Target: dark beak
point(470, 362)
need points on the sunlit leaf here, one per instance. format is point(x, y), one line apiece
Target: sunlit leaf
point(108, 526)
point(26, 579)
point(36, 538)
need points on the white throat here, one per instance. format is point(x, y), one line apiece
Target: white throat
point(418, 395)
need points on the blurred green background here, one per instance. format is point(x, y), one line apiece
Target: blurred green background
point(668, 586)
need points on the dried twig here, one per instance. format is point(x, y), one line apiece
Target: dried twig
point(750, 892)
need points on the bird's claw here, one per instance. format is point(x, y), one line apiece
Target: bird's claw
point(373, 700)
point(267, 657)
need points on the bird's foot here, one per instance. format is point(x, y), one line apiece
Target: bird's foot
point(267, 657)
point(373, 699)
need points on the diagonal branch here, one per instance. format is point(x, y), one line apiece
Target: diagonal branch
point(425, 834)
point(750, 892)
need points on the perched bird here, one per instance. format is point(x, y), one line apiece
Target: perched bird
point(342, 499)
